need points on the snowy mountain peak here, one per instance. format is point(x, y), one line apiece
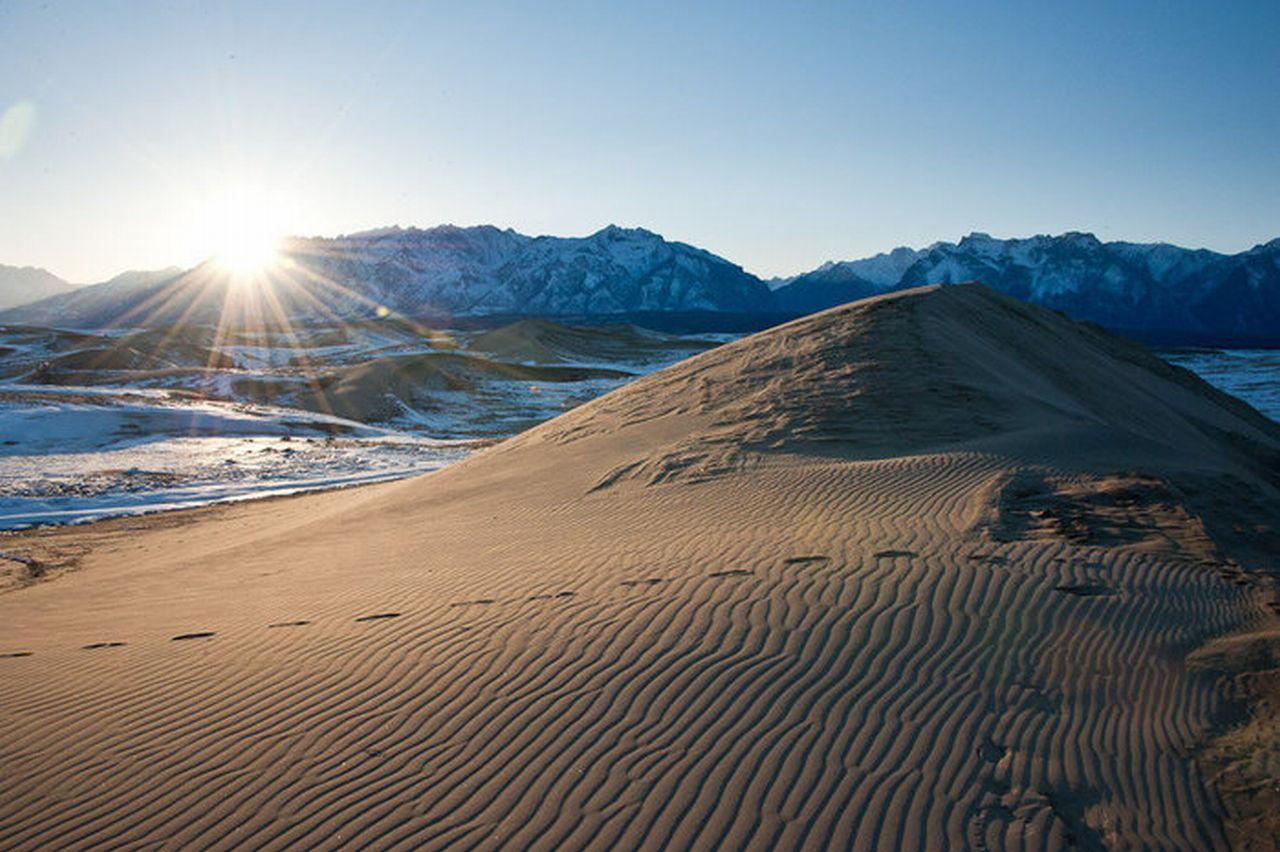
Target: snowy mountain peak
point(1184, 294)
point(445, 270)
point(617, 232)
point(1150, 288)
point(1081, 239)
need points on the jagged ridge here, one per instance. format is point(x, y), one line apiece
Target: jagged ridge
point(1156, 289)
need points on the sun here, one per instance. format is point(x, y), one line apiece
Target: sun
point(242, 230)
point(248, 254)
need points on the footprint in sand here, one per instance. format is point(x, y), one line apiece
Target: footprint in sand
point(291, 624)
point(13, 654)
point(990, 751)
point(890, 554)
point(378, 616)
point(93, 646)
point(181, 637)
point(548, 597)
point(1027, 696)
point(1086, 590)
point(732, 572)
point(996, 787)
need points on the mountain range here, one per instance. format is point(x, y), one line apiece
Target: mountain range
point(445, 271)
point(1154, 291)
point(21, 284)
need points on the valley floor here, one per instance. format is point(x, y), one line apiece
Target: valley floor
point(70, 455)
point(75, 453)
point(96, 426)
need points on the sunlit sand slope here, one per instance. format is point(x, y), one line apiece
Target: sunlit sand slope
point(917, 572)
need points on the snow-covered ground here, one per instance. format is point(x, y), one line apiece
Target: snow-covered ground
point(1250, 374)
point(74, 455)
point(95, 425)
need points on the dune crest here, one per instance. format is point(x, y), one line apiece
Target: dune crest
point(934, 369)
point(918, 572)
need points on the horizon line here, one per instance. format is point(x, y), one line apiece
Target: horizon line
point(185, 267)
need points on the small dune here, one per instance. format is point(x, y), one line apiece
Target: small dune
point(380, 389)
point(546, 342)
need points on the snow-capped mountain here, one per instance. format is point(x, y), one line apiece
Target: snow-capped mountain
point(1156, 290)
point(484, 270)
point(836, 282)
point(22, 284)
point(438, 271)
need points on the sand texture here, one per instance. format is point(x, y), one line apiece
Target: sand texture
point(919, 572)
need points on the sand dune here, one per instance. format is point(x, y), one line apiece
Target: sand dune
point(381, 388)
point(547, 342)
point(919, 572)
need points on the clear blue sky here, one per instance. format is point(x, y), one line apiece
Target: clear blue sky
point(779, 135)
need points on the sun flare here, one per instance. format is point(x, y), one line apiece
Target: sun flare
point(247, 255)
point(243, 230)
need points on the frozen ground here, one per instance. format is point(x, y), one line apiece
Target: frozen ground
point(1251, 374)
point(96, 425)
point(69, 457)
